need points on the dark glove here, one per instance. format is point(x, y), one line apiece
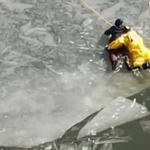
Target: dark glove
point(146, 65)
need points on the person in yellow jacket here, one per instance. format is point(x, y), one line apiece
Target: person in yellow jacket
point(139, 53)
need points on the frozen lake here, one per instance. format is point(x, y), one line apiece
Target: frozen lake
point(52, 73)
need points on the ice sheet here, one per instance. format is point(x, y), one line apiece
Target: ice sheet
point(51, 70)
point(119, 111)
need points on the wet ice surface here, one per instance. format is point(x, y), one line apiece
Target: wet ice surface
point(51, 73)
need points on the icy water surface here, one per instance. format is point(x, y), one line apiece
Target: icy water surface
point(52, 72)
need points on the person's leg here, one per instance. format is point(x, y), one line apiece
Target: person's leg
point(125, 53)
point(127, 62)
point(113, 58)
point(113, 54)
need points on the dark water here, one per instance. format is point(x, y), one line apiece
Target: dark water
point(52, 75)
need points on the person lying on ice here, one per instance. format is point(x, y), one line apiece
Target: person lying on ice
point(139, 53)
point(116, 31)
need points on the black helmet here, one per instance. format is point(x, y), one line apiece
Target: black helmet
point(118, 22)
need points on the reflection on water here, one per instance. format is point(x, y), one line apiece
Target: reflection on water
point(51, 70)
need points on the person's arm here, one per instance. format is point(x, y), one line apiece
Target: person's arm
point(108, 32)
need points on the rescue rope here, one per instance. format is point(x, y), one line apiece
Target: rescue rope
point(100, 16)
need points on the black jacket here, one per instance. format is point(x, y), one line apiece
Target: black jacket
point(115, 31)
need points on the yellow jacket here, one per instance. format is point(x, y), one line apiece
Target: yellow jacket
point(134, 43)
